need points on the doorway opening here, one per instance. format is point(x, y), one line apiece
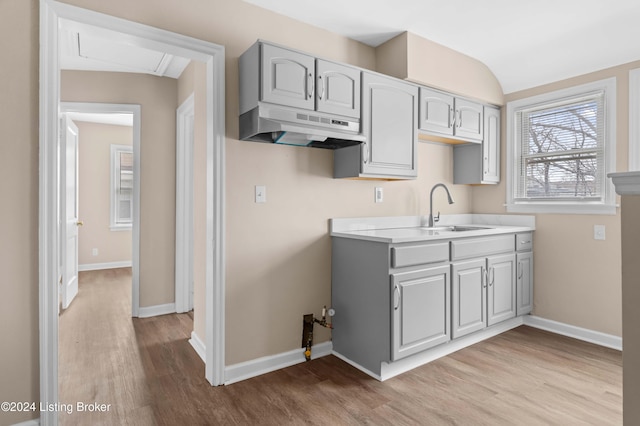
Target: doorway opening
point(51, 256)
point(108, 123)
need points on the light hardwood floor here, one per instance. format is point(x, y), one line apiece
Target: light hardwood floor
point(148, 372)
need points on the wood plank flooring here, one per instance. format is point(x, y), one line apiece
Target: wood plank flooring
point(148, 372)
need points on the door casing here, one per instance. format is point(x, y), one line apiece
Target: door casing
point(49, 239)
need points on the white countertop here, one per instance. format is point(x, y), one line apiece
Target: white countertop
point(403, 229)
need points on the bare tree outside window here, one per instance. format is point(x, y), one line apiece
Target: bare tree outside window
point(562, 150)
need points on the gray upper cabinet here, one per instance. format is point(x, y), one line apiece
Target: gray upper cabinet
point(480, 164)
point(297, 80)
point(444, 115)
point(288, 77)
point(436, 112)
point(338, 89)
point(389, 123)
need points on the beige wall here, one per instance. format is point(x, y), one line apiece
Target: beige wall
point(94, 189)
point(423, 61)
point(577, 279)
point(158, 97)
point(19, 374)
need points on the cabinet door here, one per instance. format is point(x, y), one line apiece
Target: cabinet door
point(287, 77)
point(389, 123)
point(420, 318)
point(524, 283)
point(491, 146)
point(436, 111)
point(501, 288)
point(337, 89)
point(468, 297)
point(469, 123)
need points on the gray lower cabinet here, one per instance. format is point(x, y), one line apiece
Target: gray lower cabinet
point(395, 300)
point(420, 318)
point(484, 288)
point(524, 273)
point(484, 293)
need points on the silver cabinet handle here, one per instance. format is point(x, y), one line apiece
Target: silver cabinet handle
point(525, 242)
point(484, 277)
point(365, 152)
point(311, 85)
point(493, 276)
point(452, 117)
point(520, 270)
point(320, 87)
point(396, 290)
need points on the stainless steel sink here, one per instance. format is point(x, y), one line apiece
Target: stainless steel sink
point(463, 228)
point(457, 228)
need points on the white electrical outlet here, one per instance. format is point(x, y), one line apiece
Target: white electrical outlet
point(94, 252)
point(379, 194)
point(261, 194)
point(598, 232)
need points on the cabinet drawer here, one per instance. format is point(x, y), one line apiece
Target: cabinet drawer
point(477, 247)
point(524, 242)
point(417, 255)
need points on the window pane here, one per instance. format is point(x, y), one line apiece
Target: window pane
point(562, 176)
point(564, 128)
point(562, 149)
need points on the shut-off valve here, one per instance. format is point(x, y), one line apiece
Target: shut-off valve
point(308, 321)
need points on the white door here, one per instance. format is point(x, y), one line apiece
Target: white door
point(69, 209)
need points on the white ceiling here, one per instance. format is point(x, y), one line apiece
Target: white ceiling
point(524, 43)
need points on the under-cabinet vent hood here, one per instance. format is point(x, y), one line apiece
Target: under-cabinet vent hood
point(269, 123)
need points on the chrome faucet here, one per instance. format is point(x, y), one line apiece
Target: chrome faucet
point(432, 220)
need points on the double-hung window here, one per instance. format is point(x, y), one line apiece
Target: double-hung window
point(561, 145)
point(121, 187)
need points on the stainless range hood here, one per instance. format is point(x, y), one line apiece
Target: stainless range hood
point(282, 125)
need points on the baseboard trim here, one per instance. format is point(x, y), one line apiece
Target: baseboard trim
point(596, 337)
point(157, 310)
point(199, 346)
point(256, 367)
point(107, 265)
point(32, 422)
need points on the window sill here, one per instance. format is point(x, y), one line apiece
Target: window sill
point(562, 208)
point(118, 228)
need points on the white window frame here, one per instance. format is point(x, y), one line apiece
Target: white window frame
point(607, 204)
point(634, 120)
point(115, 171)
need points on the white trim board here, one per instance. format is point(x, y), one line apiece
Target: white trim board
point(156, 310)
point(596, 337)
point(634, 119)
point(106, 265)
point(32, 422)
point(256, 367)
point(198, 346)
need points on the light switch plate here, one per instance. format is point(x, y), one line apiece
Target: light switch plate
point(598, 232)
point(261, 194)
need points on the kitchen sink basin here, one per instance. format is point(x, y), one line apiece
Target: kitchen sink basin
point(457, 228)
point(463, 228)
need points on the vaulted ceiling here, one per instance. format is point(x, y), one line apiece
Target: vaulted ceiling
point(524, 43)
